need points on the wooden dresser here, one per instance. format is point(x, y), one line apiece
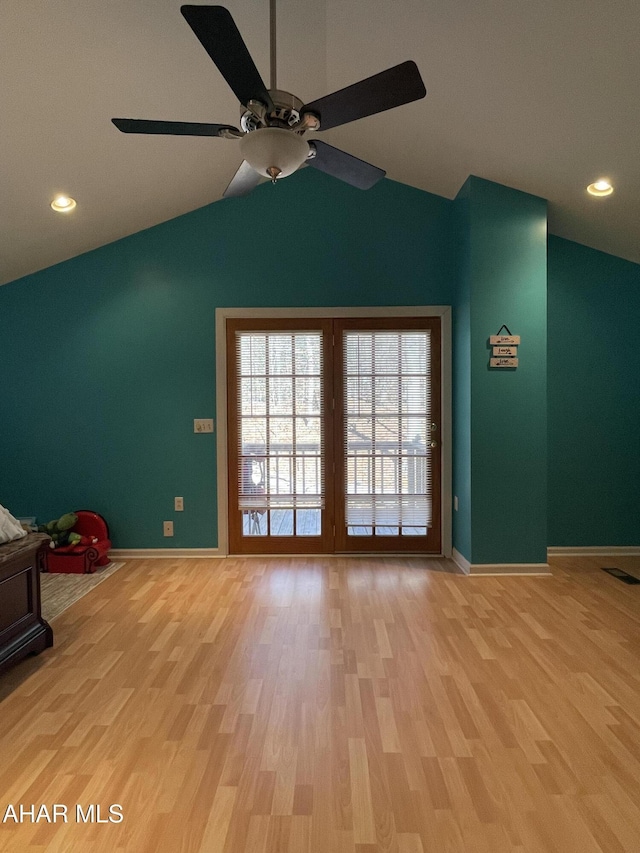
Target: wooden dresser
point(23, 631)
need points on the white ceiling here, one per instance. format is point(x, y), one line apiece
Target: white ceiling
point(539, 95)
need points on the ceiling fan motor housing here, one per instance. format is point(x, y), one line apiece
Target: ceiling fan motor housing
point(285, 114)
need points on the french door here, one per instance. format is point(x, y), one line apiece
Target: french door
point(334, 435)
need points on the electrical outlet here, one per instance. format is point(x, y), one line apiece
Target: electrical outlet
point(455, 502)
point(167, 528)
point(203, 424)
point(178, 504)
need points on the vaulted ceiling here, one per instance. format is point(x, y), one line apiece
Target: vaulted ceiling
point(540, 95)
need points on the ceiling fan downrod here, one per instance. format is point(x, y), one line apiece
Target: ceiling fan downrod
point(272, 44)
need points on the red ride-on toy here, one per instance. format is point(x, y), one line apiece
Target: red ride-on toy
point(82, 558)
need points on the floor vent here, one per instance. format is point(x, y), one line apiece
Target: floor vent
point(625, 577)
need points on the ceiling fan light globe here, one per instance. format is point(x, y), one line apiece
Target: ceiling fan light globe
point(273, 148)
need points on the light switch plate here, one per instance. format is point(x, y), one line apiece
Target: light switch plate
point(203, 424)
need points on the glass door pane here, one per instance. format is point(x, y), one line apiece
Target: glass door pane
point(278, 428)
point(388, 431)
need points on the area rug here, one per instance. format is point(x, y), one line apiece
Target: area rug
point(60, 591)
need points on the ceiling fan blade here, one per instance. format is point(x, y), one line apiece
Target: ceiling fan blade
point(244, 180)
point(391, 88)
point(346, 167)
point(218, 34)
point(173, 128)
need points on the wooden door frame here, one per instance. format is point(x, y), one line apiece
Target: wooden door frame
point(223, 314)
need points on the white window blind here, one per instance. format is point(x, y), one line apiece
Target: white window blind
point(387, 432)
point(280, 412)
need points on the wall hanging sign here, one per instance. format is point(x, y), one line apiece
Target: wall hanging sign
point(504, 339)
point(504, 348)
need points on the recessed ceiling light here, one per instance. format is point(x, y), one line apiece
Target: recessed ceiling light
point(63, 204)
point(600, 188)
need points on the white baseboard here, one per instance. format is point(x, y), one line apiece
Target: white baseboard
point(594, 551)
point(163, 553)
point(460, 561)
point(208, 553)
point(493, 569)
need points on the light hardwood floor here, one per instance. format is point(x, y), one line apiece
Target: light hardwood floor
point(335, 706)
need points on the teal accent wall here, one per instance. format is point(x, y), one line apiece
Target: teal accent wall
point(503, 280)
point(594, 397)
point(108, 357)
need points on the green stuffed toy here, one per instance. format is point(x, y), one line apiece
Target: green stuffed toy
point(60, 531)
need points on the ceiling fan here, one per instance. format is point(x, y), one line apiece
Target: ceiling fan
point(273, 122)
